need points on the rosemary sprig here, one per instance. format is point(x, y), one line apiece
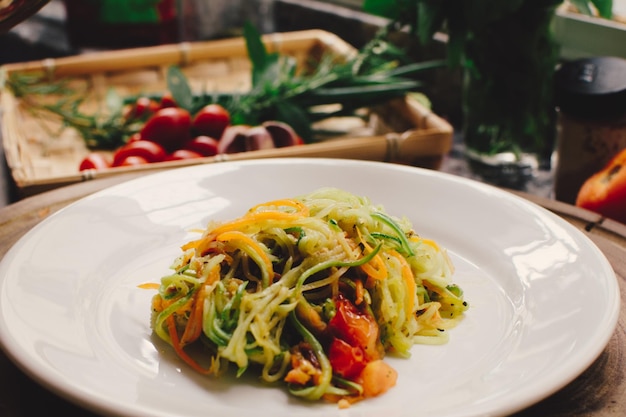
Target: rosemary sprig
point(105, 129)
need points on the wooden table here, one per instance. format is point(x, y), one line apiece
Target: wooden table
point(599, 392)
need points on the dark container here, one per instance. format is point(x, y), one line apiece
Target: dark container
point(107, 24)
point(591, 102)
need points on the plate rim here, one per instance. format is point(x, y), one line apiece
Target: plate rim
point(90, 403)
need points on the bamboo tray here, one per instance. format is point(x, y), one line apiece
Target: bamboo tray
point(41, 156)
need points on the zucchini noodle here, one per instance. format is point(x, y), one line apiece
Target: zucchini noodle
point(312, 292)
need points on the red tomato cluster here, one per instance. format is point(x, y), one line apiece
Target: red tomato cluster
point(172, 133)
point(355, 339)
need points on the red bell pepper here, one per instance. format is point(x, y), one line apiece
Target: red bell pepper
point(605, 191)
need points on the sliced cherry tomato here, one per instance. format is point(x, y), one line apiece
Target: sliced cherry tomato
point(132, 160)
point(169, 127)
point(242, 138)
point(605, 191)
point(347, 361)
point(179, 154)
point(211, 121)
point(282, 134)
point(376, 378)
point(150, 151)
point(258, 138)
point(234, 139)
point(94, 161)
point(205, 145)
point(356, 327)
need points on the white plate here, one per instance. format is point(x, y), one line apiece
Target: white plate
point(544, 300)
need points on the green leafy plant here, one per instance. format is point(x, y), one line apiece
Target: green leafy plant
point(281, 90)
point(508, 55)
point(460, 18)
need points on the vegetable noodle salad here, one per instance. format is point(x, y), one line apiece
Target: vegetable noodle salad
point(311, 291)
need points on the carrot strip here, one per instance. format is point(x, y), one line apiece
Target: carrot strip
point(359, 291)
point(428, 242)
point(409, 281)
point(301, 209)
point(377, 271)
point(268, 271)
point(375, 268)
point(178, 348)
point(149, 286)
point(193, 329)
point(192, 244)
point(254, 218)
point(251, 217)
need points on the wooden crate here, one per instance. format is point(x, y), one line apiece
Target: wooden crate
point(42, 156)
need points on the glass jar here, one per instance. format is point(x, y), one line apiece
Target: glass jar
point(508, 108)
point(591, 101)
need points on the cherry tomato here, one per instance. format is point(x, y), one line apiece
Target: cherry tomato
point(179, 154)
point(211, 121)
point(132, 160)
point(169, 127)
point(205, 145)
point(134, 137)
point(347, 361)
point(150, 151)
point(605, 191)
point(94, 161)
point(143, 108)
point(357, 328)
point(168, 101)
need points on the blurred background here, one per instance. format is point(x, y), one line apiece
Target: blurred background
point(69, 27)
